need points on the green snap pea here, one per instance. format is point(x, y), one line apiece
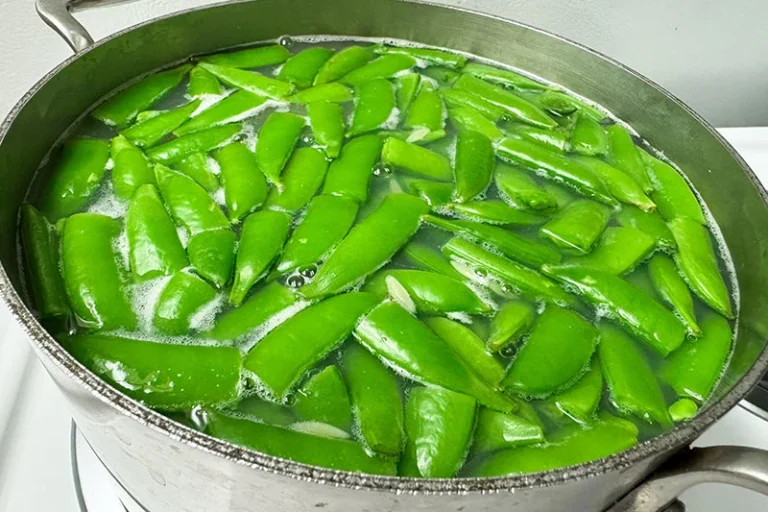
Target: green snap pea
point(410, 347)
point(343, 62)
point(147, 114)
point(435, 193)
point(406, 88)
point(154, 248)
point(123, 107)
point(619, 184)
point(130, 168)
point(255, 409)
point(416, 159)
point(625, 156)
point(696, 259)
point(76, 177)
point(251, 57)
point(374, 106)
point(426, 55)
point(554, 140)
point(212, 254)
point(333, 92)
point(619, 251)
point(511, 322)
point(350, 174)
point(201, 141)
point(470, 119)
point(672, 193)
point(340, 454)
point(439, 425)
point(641, 314)
point(189, 203)
point(565, 104)
point(427, 112)
point(682, 410)
point(300, 70)
point(589, 137)
point(203, 83)
point(631, 382)
point(301, 179)
point(376, 401)
point(497, 431)
point(695, 368)
point(427, 258)
point(544, 364)
point(385, 66)
point(520, 188)
point(502, 76)
point(443, 76)
point(281, 358)
point(227, 110)
point(245, 187)
point(184, 295)
point(40, 245)
point(648, 222)
point(457, 98)
point(261, 241)
point(475, 162)
point(149, 132)
point(277, 137)
point(642, 281)
point(578, 226)
point(92, 278)
point(251, 81)
point(673, 290)
point(580, 401)
point(327, 122)
point(562, 195)
point(369, 245)
point(262, 306)
point(324, 398)
point(555, 166)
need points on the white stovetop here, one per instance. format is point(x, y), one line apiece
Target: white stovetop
point(35, 472)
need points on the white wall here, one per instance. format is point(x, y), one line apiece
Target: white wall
point(713, 54)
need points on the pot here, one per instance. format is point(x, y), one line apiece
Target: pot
point(168, 467)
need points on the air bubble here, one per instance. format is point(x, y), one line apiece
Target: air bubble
point(286, 41)
point(199, 418)
point(509, 351)
point(308, 272)
point(295, 281)
point(308, 139)
point(290, 400)
point(481, 272)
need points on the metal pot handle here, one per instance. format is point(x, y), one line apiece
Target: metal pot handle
point(735, 465)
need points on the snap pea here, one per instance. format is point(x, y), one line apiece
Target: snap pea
point(443, 76)
point(564, 104)
point(154, 248)
point(255, 409)
point(648, 222)
point(619, 251)
point(385, 66)
point(327, 122)
point(201, 141)
point(261, 241)
point(578, 226)
point(457, 98)
point(469, 348)
point(416, 159)
point(245, 187)
point(562, 195)
point(589, 137)
point(324, 398)
point(250, 57)
point(228, 110)
point(620, 185)
point(641, 314)
point(189, 203)
point(642, 281)
point(555, 166)
point(277, 137)
point(439, 425)
point(374, 106)
point(332, 93)
point(301, 179)
point(349, 174)
point(183, 296)
point(435, 193)
point(40, 245)
point(369, 245)
point(340, 454)
point(343, 62)
point(426, 55)
point(405, 91)
point(427, 112)
point(376, 401)
point(281, 358)
point(327, 221)
point(497, 431)
point(475, 162)
point(212, 254)
point(527, 281)
point(427, 258)
point(694, 369)
point(554, 140)
point(501, 76)
point(123, 107)
point(257, 309)
point(682, 410)
point(250, 81)
point(696, 259)
point(580, 401)
point(672, 193)
point(77, 175)
point(625, 156)
point(673, 290)
point(511, 322)
point(151, 131)
point(203, 83)
point(521, 189)
point(470, 119)
point(410, 347)
point(92, 278)
point(130, 169)
point(300, 69)
point(631, 382)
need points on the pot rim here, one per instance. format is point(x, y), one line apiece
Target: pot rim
point(668, 442)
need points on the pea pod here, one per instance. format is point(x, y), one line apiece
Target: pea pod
point(673, 290)
point(288, 444)
point(565, 104)
point(154, 248)
point(580, 401)
point(649, 223)
point(183, 296)
point(695, 368)
point(234, 107)
point(619, 184)
point(255, 409)
point(641, 314)
point(374, 106)
point(300, 70)
point(203, 83)
point(343, 62)
point(245, 188)
point(501, 76)
point(130, 168)
point(416, 159)
point(261, 241)
point(696, 259)
point(682, 410)
point(631, 382)
point(470, 119)
point(255, 312)
point(369, 245)
point(521, 189)
point(327, 122)
point(445, 77)
point(277, 137)
point(475, 162)
point(41, 258)
point(151, 131)
point(457, 98)
point(77, 175)
point(427, 112)
point(406, 88)
point(625, 156)
point(250, 81)
point(331, 93)
point(578, 226)
point(562, 195)
point(385, 66)
point(301, 180)
point(250, 57)
point(324, 398)
point(619, 251)
point(672, 193)
point(349, 174)
point(435, 193)
point(281, 358)
point(553, 140)
point(589, 137)
point(426, 55)
point(511, 322)
point(408, 346)
point(427, 258)
point(123, 107)
point(189, 203)
point(497, 431)
point(376, 401)
point(212, 254)
point(201, 141)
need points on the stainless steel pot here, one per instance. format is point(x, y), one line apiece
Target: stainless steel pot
point(168, 467)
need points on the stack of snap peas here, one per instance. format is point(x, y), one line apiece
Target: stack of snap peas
point(380, 259)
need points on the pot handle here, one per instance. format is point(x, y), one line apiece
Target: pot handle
point(734, 465)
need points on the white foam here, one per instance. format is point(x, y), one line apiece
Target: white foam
point(252, 338)
point(144, 297)
point(105, 202)
point(219, 197)
point(213, 166)
point(205, 317)
point(392, 121)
